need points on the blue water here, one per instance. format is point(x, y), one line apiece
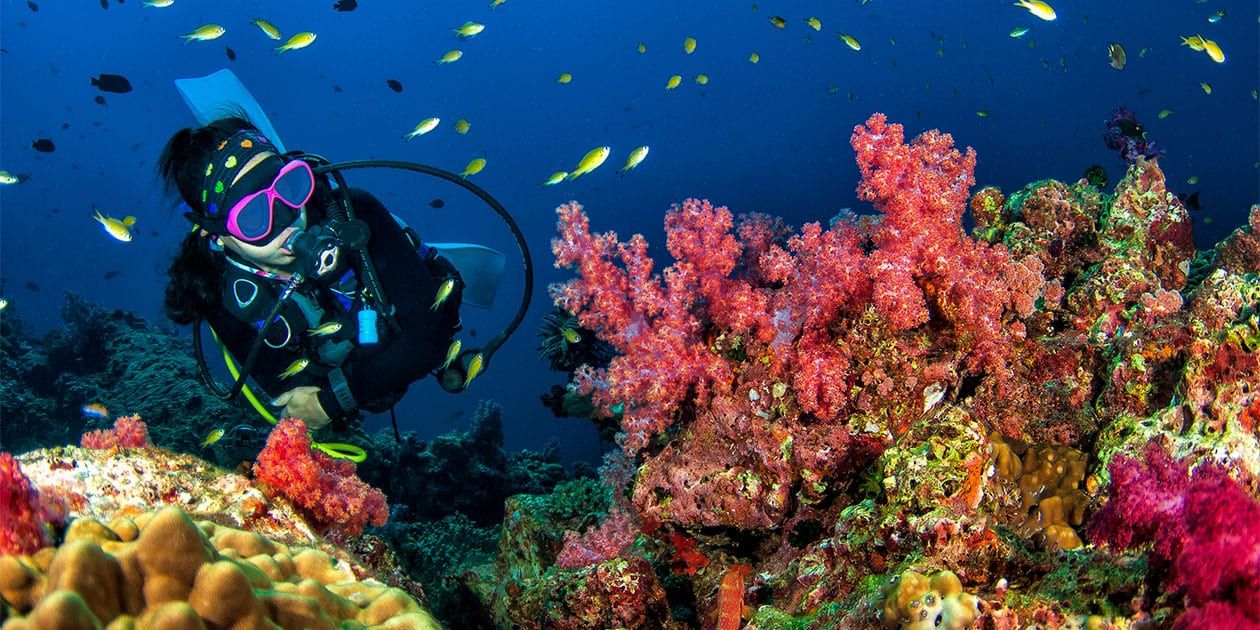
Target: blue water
point(771, 137)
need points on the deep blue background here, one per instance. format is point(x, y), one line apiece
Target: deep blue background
point(771, 137)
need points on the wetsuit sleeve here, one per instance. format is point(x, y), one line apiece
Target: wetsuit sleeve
point(410, 283)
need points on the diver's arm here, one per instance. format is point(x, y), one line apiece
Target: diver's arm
point(238, 337)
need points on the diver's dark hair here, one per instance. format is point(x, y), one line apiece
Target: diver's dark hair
point(196, 274)
point(182, 164)
point(195, 289)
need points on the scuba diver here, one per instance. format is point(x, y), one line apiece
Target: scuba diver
point(326, 299)
point(260, 217)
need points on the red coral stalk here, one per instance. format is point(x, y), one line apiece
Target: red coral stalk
point(326, 488)
point(128, 432)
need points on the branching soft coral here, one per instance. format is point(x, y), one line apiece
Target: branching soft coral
point(128, 432)
point(327, 488)
point(1204, 526)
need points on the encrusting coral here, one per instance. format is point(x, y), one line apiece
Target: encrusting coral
point(162, 570)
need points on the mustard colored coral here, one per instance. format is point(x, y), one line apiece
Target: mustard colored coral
point(163, 570)
point(915, 602)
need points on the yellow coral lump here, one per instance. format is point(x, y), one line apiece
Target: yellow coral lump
point(162, 570)
point(914, 602)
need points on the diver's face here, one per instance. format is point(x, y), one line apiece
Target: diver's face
point(271, 256)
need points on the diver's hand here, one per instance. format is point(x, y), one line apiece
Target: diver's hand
point(302, 402)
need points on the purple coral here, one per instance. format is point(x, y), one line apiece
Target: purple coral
point(1128, 137)
point(1204, 526)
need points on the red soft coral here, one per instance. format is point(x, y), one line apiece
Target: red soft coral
point(327, 488)
point(597, 544)
point(1204, 526)
point(23, 520)
point(128, 432)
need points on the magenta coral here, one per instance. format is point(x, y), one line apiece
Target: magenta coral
point(1204, 526)
point(326, 488)
point(22, 519)
point(595, 545)
point(128, 432)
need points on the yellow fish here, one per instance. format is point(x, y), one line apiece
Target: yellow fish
point(642, 47)
point(1192, 180)
point(850, 41)
point(778, 21)
point(451, 353)
point(1194, 42)
point(1019, 31)
point(425, 126)
point(570, 335)
point(555, 178)
point(267, 28)
point(4, 303)
point(589, 162)
point(564, 77)
point(120, 230)
point(474, 368)
point(157, 4)
point(298, 41)
point(689, 45)
point(205, 33)
point(213, 437)
point(754, 58)
point(636, 157)
point(1038, 8)
point(982, 113)
point(1165, 113)
point(814, 23)
point(9, 179)
point(443, 292)
point(451, 56)
point(1214, 51)
point(474, 166)
point(469, 29)
point(702, 79)
point(295, 367)
point(1207, 89)
point(1115, 52)
point(462, 126)
point(673, 82)
point(325, 329)
point(495, 3)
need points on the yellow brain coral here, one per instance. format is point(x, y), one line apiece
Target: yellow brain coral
point(915, 602)
point(162, 570)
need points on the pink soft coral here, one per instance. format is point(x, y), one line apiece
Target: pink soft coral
point(23, 518)
point(1204, 526)
point(327, 488)
point(597, 544)
point(128, 432)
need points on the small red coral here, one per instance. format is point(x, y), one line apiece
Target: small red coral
point(22, 518)
point(326, 488)
point(128, 432)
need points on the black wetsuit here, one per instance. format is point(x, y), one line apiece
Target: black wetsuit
point(376, 375)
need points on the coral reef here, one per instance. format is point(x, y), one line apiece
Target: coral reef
point(465, 472)
point(162, 570)
point(835, 407)
point(119, 360)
